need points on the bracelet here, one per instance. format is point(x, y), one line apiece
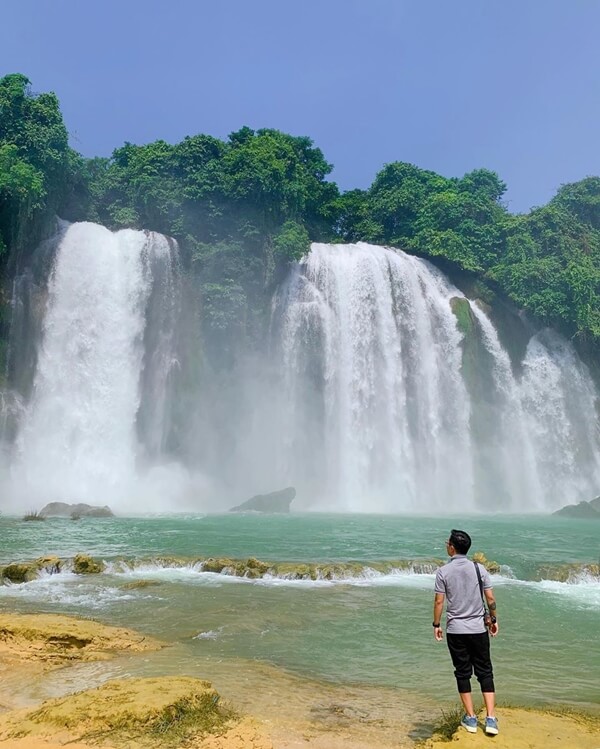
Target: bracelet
point(437, 626)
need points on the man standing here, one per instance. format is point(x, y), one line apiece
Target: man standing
point(458, 583)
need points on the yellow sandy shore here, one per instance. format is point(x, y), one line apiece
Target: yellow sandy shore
point(529, 729)
point(284, 712)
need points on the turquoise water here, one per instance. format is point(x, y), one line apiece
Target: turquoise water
point(374, 629)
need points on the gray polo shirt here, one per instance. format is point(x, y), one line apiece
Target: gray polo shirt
point(457, 580)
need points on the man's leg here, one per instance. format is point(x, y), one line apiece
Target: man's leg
point(490, 703)
point(467, 700)
point(482, 664)
point(459, 652)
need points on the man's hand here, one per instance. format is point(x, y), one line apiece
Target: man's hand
point(494, 629)
point(438, 633)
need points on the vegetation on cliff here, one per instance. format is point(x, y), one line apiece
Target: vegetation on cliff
point(244, 207)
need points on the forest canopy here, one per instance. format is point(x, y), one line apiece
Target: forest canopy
point(243, 208)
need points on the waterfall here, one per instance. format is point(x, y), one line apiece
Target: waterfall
point(560, 414)
point(382, 409)
point(382, 389)
point(105, 347)
point(372, 363)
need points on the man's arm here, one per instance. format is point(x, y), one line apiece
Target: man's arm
point(438, 607)
point(491, 602)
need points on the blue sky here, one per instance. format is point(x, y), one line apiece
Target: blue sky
point(449, 85)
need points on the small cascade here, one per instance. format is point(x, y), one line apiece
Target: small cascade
point(108, 298)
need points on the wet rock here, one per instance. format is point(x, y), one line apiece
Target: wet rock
point(83, 564)
point(24, 572)
point(136, 584)
point(19, 572)
point(569, 573)
point(492, 567)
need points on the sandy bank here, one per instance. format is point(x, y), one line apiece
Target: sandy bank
point(32, 644)
point(529, 729)
point(283, 711)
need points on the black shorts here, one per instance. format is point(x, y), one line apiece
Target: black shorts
point(471, 653)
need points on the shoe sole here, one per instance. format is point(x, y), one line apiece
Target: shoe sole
point(469, 728)
point(491, 731)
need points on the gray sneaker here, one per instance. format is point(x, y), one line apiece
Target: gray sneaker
point(470, 723)
point(491, 726)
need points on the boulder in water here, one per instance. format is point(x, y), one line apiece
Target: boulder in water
point(79, 510)
point(24, 572)
point(274, 502)
point(492, 567)
point(85, 565)
point(586, 510)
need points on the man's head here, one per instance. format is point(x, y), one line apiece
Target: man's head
point(460, 541)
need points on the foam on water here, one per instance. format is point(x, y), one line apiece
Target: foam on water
point(65, 589)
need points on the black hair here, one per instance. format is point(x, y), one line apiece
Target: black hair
point(460, 540)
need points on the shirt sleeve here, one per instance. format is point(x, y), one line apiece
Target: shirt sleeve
point(440, 584)
point(485, 578)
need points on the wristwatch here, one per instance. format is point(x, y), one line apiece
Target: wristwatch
point(438, 625)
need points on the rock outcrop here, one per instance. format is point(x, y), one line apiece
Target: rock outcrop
point(145, 712)
point(55, 639)
point(492, 567)
point(274, 502)
point(585, 510)
point(79, 510)
point(83, 564)
point(24, 572)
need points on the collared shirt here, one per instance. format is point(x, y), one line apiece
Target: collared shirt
point(457, 580)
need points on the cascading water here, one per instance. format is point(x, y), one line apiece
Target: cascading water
point(374, 395)
point(387, 409)
point(372, 362)
point(77, 440)
point(560, 413)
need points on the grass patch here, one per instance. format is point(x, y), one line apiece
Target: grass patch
point(180, 721)
point(448, 723)
point(33, 515)
point(191, 715)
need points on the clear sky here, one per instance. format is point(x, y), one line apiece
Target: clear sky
point(449, 85)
